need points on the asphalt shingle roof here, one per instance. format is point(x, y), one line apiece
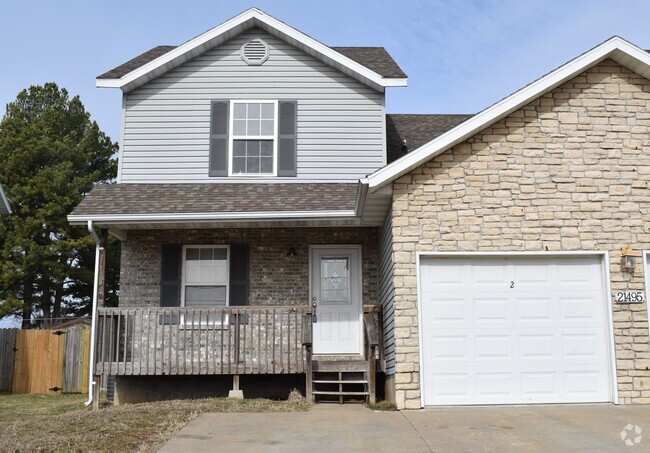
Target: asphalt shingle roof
point(136, 62)
point(121, 199)
point(416, 130)
point(376, 59)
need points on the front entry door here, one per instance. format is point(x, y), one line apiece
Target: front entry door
point(336, 291)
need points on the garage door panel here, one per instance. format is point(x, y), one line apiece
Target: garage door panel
point(446, 309)
point(539, 342)
point(534, 309)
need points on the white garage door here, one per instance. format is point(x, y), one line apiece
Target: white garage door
point(514, 330)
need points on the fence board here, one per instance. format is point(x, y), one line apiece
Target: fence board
point(38, 363)
point(75, 361)
point(7, 345)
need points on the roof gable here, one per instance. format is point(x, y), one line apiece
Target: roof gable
point(616, 48)
point(159, 60)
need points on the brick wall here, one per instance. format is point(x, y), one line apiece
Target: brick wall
point(569, 171)
point(275, 278)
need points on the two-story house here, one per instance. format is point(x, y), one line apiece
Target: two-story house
point(280, 230)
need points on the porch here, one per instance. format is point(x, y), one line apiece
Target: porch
point(253, 340)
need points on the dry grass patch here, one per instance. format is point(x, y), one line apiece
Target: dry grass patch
point(132, 427)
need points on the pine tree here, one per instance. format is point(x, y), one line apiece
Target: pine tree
point(51, 155)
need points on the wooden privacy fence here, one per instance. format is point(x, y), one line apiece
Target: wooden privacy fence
point(44, 361)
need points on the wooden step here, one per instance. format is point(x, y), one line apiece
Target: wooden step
point(347, 366)
point(333, 393)
point(355, 381)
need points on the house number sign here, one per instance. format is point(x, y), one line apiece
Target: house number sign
point(630, 297)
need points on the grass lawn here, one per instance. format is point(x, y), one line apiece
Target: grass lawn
point(60, 422)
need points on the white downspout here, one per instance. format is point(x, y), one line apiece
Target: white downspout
point(93, 325)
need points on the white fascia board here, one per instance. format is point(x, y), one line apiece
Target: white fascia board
point(210, 217)
point(5, 208)
point(232, 27)
point(616, 48)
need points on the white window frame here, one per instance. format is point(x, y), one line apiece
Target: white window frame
point(232, 137)
point(184, 272)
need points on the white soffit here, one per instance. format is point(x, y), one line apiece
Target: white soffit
point(616, 48)
point(235, 26)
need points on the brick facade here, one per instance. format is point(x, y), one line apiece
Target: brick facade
point(569, 171)
point(275, 278)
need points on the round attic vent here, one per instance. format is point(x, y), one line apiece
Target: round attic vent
point(255, 52)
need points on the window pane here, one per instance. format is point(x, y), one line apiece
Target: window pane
point(239, 127)
point(252, 164)
point(205, 296)
point(253, 127)
point(238, 165)
point(239, 148)
point(267, 111)
point(239, 111)
point(220, 253)
point(267, 127)
point(267, 165)
point(192, 254)
point(206, 253)
point(266, 148)
point(254, 111)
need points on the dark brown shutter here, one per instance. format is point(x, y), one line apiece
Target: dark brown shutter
point(287, 145)
point(239, 257)
point(219, 138)
point(170, 282)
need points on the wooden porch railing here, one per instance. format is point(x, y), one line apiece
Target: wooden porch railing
point(193, 341)
point(373, 335)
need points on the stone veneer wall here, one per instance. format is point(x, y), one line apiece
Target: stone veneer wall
point(569, 171)
point(275, 278)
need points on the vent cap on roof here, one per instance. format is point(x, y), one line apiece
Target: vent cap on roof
point(255, 52)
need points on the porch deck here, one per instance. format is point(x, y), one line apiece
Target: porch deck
point(203, 341)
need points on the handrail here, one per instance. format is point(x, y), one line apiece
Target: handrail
point(215, 340)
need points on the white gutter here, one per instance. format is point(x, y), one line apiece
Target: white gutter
point(212, 216)
point(362, 197)
point(93, 325)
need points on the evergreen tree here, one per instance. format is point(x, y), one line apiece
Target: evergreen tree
point(51, 155)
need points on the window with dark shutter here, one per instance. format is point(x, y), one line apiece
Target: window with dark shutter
point(262, 142)
point(287, 165)
point(219, 138)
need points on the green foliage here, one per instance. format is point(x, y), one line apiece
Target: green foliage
point(51, 155)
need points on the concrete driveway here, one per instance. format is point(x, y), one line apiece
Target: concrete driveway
point(353, 428)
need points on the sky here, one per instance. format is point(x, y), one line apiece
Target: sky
point(460, 56)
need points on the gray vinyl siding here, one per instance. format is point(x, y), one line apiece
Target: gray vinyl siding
point(387, 291)
point(167, 121)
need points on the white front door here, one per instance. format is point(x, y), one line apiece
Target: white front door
point(336, 293)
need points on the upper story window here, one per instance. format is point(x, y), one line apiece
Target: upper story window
point(253, 138)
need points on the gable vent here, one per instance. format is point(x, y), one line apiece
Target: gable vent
point(255, 52)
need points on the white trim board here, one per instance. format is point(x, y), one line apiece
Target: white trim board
point(616, 48)
point(250, 18)
point(607, 291)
